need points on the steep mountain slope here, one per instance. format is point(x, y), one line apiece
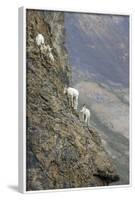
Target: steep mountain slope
point(61, 151)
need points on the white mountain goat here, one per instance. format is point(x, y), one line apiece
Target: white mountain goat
point(85, 114)
point(40, 39)
point(72, 95)
point(46, 49)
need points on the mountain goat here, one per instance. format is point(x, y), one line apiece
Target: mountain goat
point(85, 115)
point(39, 39)
point(45, 48)
point(72, 95)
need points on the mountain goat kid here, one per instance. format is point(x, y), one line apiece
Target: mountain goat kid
point(40, 39)
point(85, 115)
point(45, 49)
point(72, 95)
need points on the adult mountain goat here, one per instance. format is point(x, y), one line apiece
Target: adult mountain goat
point(40, 39)
point(72, 95)
point(85, 115)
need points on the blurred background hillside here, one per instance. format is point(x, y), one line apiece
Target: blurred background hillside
point(98, 47)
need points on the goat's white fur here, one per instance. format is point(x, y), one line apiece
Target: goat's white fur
point(73, 95)
point(39, 39)
point(85, 112)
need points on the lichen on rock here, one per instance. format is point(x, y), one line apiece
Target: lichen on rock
point(61, 151)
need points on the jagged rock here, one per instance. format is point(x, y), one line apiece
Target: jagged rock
point(61, 151)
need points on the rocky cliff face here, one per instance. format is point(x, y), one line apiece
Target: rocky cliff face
point(61, 151)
